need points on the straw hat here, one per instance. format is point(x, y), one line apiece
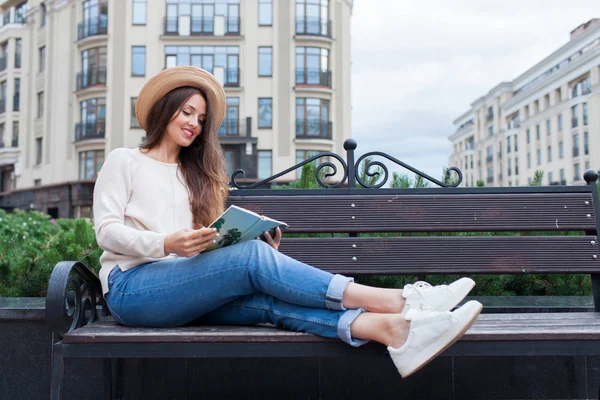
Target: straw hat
point(172, 78)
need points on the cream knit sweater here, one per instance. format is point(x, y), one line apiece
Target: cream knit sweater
point(137, 202)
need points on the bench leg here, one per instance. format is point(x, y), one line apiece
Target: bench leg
point(57, 371)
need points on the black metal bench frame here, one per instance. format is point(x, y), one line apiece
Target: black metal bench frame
point(82, 326)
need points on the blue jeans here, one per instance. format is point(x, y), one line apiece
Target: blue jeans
point(245, 284)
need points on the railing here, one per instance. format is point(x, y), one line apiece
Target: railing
point(313, 76)
point(313, 26)
point(575, 151)
point(235, 128)
point(91, 78)
point(93, 27)
point(574, 122)
point(232, 77)
point(3, 62)
point(202, 26)
point(84, 131)
point(314, 129)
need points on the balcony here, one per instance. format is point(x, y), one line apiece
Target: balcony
point(313, 76)
point(95, 77)
point(199, 26)
point(3, 62)
point(574, 122)
point(313, 26)
point(314, 129)
point(86, 131)
point(232, 77)
point(575, 152)
point(93, 27)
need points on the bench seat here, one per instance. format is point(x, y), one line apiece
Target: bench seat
point(583, 326)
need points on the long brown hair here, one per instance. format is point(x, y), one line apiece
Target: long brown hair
point(202, 163)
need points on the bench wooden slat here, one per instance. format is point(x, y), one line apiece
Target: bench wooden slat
point(448, 254)
point(427, 213)
point(488, 327)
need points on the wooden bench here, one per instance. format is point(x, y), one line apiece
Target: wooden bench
point(74, 293)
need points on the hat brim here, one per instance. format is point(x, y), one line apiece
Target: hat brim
point(172, 78)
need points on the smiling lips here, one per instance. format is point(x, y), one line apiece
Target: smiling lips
point(188, 133)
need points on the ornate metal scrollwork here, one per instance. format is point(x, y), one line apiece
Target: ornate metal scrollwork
point(74, 292)
point(386, 174)
point(320, 167)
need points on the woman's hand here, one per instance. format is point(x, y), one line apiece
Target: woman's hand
point(189, 242)
point(273, 241)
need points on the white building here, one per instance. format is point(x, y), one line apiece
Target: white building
point(547, 119)
point(70, 71)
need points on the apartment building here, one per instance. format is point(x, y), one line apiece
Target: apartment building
point(546, 119)
point(70, 71)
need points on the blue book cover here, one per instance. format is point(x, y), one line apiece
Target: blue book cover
point(237, 225)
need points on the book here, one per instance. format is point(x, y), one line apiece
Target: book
point(237, 225)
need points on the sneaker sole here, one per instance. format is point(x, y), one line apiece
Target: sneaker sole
point(438, 347)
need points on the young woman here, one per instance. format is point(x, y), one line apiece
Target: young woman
point(152, 206)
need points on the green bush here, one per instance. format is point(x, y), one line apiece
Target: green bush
point(31, 243)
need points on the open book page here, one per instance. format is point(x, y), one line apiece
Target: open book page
point(238, 225)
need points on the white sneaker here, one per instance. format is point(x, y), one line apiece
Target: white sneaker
point(422, 296)
point(432, 332)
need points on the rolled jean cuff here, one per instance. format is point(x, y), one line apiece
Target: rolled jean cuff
point(335, 292)
point(343, 328)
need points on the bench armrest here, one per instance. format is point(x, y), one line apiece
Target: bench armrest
point(74, 293)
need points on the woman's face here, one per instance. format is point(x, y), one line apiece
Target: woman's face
point(187, 123)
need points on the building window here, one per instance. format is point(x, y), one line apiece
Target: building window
point(42, 59)
point(528, 136)
point(265, 61)
point(222, 61)
point(15, 134)
point(561, 149)
point(40, 105)
point(312, 66)
point(516, 143)
point(302, 155)
point(312, 118)
point(199, 16)
point(586, 143)
point(517, 167)
point(546, 102)
point(92, 119)
point(2, 143)
point(265, 112)
point(562, 176)
point(491, 131)
point(537, 132)
point(265, 12)
point(577, 172)
point(508, 145)
point(138, 60)
point(18, 50)
point(134, 121)
point(265, 164)
point(585, 114)
point(90, 163)
point(528, 160)
point(549, 153)
point(93, 68)
point(539, 157)
point(95, 19)
point(490, 113)
point(548, 127)
point(574, 122)
point(17, 95)
point(509, 167)
point(42, 14)
point(560, 123)
point(558, 95)
point(38, 151)
point(231, 123)
point(139, 12)
point(3, 85)
point(21, 13)
point(575, 145)
point(312, 17)
point(550, 180)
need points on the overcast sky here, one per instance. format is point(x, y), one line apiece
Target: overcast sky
point(419, 64)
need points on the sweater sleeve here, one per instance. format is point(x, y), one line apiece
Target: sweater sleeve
point(111, 195)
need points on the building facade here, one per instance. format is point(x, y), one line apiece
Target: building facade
point(547, 119)
point(70, 71)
